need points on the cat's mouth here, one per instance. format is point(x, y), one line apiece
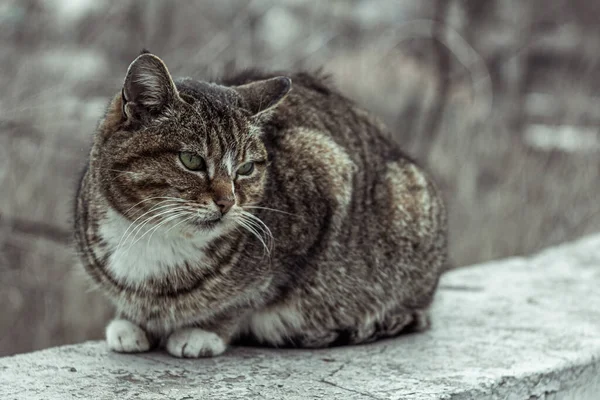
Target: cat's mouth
point(207, 223)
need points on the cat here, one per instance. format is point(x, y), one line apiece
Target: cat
point(265, 209)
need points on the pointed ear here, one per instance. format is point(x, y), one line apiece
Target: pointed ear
point(148, 87)
point(260, 96)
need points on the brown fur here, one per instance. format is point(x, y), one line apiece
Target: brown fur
point(358, 230)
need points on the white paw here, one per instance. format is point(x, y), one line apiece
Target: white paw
point(125, 337)
point(195, 343)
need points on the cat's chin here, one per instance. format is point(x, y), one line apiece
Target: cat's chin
point(209, 225)
point(214, 227)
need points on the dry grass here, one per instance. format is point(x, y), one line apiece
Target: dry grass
point(505, 198)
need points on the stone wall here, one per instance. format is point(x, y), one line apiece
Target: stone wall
point(518, 329)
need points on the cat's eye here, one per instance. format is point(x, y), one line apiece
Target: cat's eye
point(192, 161)
point(246, 169)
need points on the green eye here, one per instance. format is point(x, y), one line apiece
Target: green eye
point(246, 169)
point(192, 161)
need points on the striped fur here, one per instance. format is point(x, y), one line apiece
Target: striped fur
point(358, 229)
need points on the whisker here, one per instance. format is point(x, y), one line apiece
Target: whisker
point(258, 224)
point(155, 198)
point(256, 228)
point(271, 209)
point(118, 170)
point(151, 229)
point(138, 229)
point(249, 228)
point(182, 221)
point(132, 225)
point(153, 208)
point(161, 216)
point(168, 219)
point(266, 234)
point(258, 220)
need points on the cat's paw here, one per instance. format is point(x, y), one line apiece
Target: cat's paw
point(123, 336)
point(195, 343)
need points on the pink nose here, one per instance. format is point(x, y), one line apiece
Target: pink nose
point(224, 205)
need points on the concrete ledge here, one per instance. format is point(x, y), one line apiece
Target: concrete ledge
point(513, 329)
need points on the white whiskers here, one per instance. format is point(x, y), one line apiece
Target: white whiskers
point(271, 209)
point(257, 228)
point(170, 212)
point(160, 217)
point(160, 205)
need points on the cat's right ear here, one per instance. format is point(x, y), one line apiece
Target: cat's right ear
point(148, 88)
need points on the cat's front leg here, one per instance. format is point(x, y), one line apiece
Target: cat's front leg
point(202, 341)
point(124, 336)
point(195, 343)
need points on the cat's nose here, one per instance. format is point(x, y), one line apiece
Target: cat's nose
point(224, 205)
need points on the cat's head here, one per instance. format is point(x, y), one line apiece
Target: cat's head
point(185, 152)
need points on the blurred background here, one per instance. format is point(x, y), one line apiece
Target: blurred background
point(498, 98)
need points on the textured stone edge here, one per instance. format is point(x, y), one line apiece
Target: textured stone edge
point(571, 377)
point(577, 382)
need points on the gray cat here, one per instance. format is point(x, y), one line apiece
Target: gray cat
point(251, 211)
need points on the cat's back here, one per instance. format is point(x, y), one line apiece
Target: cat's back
point(336, 163)
point(362, 218)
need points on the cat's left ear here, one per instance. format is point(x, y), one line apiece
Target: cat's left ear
point(262, 96)
point(148, 88)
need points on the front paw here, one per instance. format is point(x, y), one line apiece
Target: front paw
point(123, 336)
point(195, 343)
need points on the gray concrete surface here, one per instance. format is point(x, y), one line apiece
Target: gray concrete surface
point(521, 328)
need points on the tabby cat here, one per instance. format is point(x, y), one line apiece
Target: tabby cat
point(248, 211)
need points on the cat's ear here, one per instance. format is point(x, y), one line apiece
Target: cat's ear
point(261, 96)
point(148, 87)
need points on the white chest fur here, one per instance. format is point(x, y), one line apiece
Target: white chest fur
point(141, 255)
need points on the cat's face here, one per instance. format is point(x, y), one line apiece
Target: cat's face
point(181, 170)
point(186, 157)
